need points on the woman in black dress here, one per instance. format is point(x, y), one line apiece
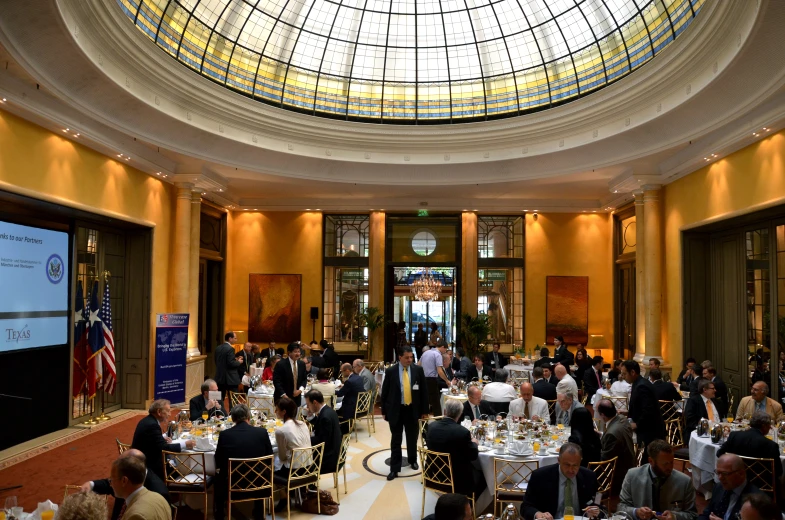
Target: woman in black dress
point(583, 434)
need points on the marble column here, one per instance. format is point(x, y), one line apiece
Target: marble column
point(640, 283)
point(193, 276)
point(469, 263)
point(376, 267)
point(652, 252)
point(182, 249)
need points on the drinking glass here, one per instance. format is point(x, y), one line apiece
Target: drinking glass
point(205, 415)
point(568, 514)
point(10, 503)
point(729, 418)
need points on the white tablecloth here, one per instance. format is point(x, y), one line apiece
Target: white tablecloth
point(486, 464)
point(445, 394)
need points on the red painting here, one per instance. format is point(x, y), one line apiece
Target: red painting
point(567, 309)
point(274, 308)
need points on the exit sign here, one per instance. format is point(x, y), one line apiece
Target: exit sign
point(422, 212)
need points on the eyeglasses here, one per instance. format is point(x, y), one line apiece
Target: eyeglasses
point(722, 474)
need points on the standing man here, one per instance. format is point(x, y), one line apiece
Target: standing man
point(247, 363)
point(433, 366)
point(289, 375)
point(616, 442)
point(644, 410)
point(226, 365)
point(562, 354)
point(566, 381)
point(420, 340)
point(270, 351)
point(151, 442)
point(495, 360)
point(592, 378)
point(664, 391)
point(404, 402)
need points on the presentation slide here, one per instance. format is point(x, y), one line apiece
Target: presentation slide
point(34, 278)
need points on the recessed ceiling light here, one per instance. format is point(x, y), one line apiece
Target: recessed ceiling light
point(4, 100)
point(246, 209)
point(158, 173)
point(203, 193)
point(615, 191)
point(77, 135)
point(474, 210)
point(465, 210)
point(307, 209)
point(764, 128)
point(65, 130)
point(220, 189)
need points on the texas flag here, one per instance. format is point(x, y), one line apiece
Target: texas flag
point(95, 339)
point(80, 344)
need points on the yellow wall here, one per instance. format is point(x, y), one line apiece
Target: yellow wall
point(274, 243)
point(741, 183)
point(568, 244)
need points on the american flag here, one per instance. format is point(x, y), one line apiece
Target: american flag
point(110, 374)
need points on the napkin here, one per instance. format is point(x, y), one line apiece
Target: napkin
point(44, 506)
point(203, 443)
point(519, 447)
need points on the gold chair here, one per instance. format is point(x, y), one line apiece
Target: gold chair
point(620, 402)
point(377, 390)
point(424, 428)
point(363, 411)
point(341, 466)
point(236, 398)
point(604, 472)
point(508, 480)
point(552, 409)
point(301, 416)
point(669, 411)
point(188, 474)
point(71, 490)
point(329, 371)
point(304, 471)
point(437, 475)
point(250, 480)
point(639, 451)
point(121, 446)
point(329, 400)
point(760, 472)
point(347, 425)
point(262, 404)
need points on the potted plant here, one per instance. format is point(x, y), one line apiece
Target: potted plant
point(474, 331)
point(374, 320)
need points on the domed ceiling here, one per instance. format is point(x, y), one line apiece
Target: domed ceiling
point(413, 61)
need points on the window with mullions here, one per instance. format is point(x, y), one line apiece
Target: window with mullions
point(500, 237)
point(346, 235)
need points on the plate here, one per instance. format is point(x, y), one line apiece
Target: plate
point(483, 448)
point(553, 451)
point(203, 450)
point(521, 454)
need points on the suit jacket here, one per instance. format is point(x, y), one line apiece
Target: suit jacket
point(684, 380)
point(447, 436)
point(617, 442)
point(327, 429)
point(283, 378)
point(665, 391)
point(636, 491)
point(369, 381)
point(544, 390)
point(349, 391)
point(485, 409)
point(752, 443)
point(489, 359)
point(747, 406)
point(472, 373)
point(695, 410)
point(151, 482)
point(226, 366)
point(553, 380)
point(543, 361)
point(564, 356)
point(420, 338)
point(391, 393)
point(196, 406)
point(148, 438)
point(563, 417)
point(715, 504)
point(590, 383)
point(146, 505)
point(242, 442)
point(266, 353)
point(644, 410)
point(542, 494)
point(331, 361)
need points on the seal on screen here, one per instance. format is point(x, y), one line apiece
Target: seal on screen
point(54, 268)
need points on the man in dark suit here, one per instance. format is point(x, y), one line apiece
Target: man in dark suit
point(420, 339)
point(270, 351)
point(478, 370)
point(542, 388)
point(687, 375)
point(330, 358)
point(104, 486)
point(702, 406)
point(544, 358)
point(226, 365)
point(476, 406)
point(289, 375)
point(616, 442)
point(664, 391)
point(447, 436)
point(555, 487)
point(351, 388)
point(242, 441)
point(548, 375)
point(726, 501)
point(753, 442)
point(149, 439)
point(404, 402)
point(326, 429)
point(202, 403)
point(562, 354)
point(494, 359)
point(592, 378)
point(721, 394)
point(644, 410)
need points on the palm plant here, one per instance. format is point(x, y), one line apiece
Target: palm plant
point(373, 319)
point(474, 331)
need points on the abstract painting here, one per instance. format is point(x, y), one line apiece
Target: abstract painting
point(274, 308)
point(567, 309)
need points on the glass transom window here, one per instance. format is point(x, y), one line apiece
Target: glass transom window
point(413, 61)
point(424, 243)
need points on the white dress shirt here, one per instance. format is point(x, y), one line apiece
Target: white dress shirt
point(499, 392)
point(715, 413)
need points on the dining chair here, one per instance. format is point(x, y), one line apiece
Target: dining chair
point(250, 480)
point(236, 398)
point(510, 479)
point(341, 466)
point(262, 404)
point(552, 410)
point(304, 471)
point(187, 474)
point(329, 371)
point(620, 402)
point(121, 446)
point(760, 472)
point(424, 428)
point(669, 411)
point(437, 475)
point(363, 411)
point(604, 470)
point(329, 400)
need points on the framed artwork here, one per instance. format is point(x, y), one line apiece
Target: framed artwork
point(274, 302)
point(567, 309)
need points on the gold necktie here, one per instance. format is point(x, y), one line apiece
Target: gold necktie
point(295, 375)
point(407, 388)
point(710, 410)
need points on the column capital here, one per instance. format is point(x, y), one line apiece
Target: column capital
point(651, 187)
point(184, 190)
point(196, 197)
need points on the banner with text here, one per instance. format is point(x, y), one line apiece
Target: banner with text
point(171, 346)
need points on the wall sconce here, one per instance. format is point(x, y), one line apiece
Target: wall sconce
point(535, 217)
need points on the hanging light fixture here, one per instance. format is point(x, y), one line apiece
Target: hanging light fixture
point(426, 288)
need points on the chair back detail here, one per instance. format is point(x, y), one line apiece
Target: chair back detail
point(604, 470)
point(760, 472)
point(237, 398)
point(250, 479)
point(510, 480)
point(122, 447)
point(424, 428)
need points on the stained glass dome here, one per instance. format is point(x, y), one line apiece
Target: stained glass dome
point(413, 61)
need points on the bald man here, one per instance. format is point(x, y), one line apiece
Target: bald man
point(726, 500)
point(529, 406)
point(103, 487)
point(566, 382)
point(351, 388)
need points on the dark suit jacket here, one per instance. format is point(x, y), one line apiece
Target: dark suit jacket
point(543, 361)
point(721, 393)
point(331, 361)
point(226, 366)
point(544, 390)
point(714, 506)
point(283, 379)
point(151, 482)
point(148, 438)
point(590, 384)
point(617, 442)
point(489, 358)
point(752, 443)
point(420, 338)
point(542, 493)
point(665, 391)
point(552, 380)
point(196, 406)
point(327, 429)
point(265, 353)
point(243, 441)
point(447, 436)
point(695, 410)
point(564, 356)
point(644, 410)
point(694, 386)
point(683, 380)
point(485, 409)
point(472, 373)
point(391, 393)
point(351, 387)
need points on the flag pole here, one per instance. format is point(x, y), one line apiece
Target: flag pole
point(103, 416)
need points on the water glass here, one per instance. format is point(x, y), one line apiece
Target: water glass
point(10, 503)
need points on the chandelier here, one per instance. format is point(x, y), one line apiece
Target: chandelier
point(426, 288)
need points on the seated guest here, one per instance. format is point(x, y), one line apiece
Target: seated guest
point(476, 406)
point(447, 436)
point(655, 488)
point(149, 438)
point(547, 374)
point(267, 373)
point(654, 363)
point(104, 486)
point(203, 403)
point(479, 371)
point(499, 393)
point(529, 406)
point(452, 506)
point(544, 358)
point(583, 434)
point(82, 506)
point(464, 364)
point(662, 390)
point(702, 406)
point(542, 388)
point(721, 389)
point(753, 442)
point(687, 375)
point(726, 499)
point(293, 434)
point(323, 385)
point(351, 388)
point(326, 429)
point(127, 480)
point(310, 368)
point(758, 402)
point(447, 366)
point(621, 388)
point(566, 382)
point(567, 404)
point(616, 442)
point(553, 488)
point(592, 377)
point(369, 382)
point(613, 373)
point(242, 441)
point(759, 507)
point(494, 359)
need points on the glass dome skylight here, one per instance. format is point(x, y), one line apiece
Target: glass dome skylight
point(413, 61)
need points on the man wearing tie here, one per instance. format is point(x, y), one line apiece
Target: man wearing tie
point(404, 402)
point(726, 498)
point(495, 360)
point(592, 378)
point(567, 404)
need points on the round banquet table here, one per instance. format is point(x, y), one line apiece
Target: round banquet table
point(519, 368)
point(445, 394)
point(485, 459)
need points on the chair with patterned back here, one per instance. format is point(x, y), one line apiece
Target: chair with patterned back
point(604, 470)
point(363, 411)
point(511, 478)
point(640, 451)
point(437, 475)
point(262, 404)
point(329, 400)
point(302, 413)
point(187, 475)
point(329, 371)
point(341, 466)
point(760, 473)
point(121, 446)
point(424, 428)
point(620, 402)
point(236, 398)
point(251, 479)
point(552, 410)
point(304, 471)
point(71, 490)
